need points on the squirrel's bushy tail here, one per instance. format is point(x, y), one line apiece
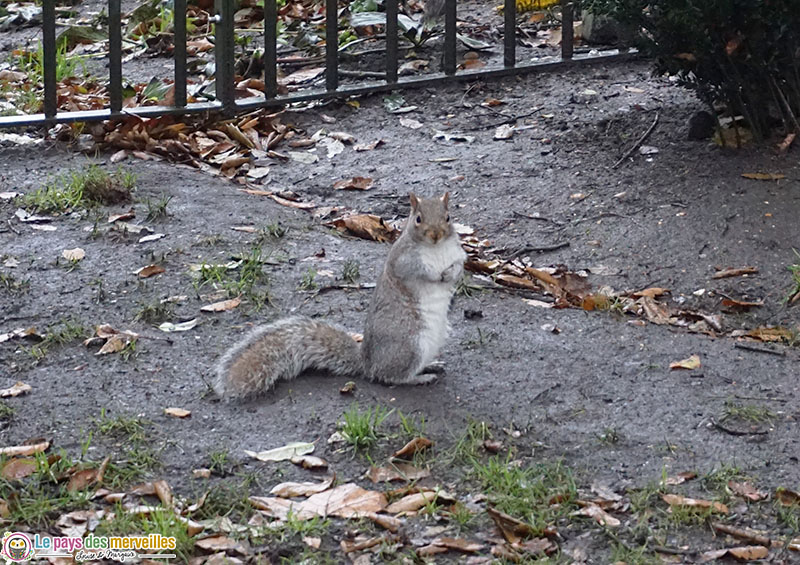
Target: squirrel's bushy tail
point(280, 351)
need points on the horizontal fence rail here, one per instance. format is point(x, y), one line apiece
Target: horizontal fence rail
point(224, 56)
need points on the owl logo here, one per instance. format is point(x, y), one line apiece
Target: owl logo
point(17, 547)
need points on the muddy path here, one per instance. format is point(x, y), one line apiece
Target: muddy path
point(593, 388)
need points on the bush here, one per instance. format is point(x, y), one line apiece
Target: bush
point(741, 54)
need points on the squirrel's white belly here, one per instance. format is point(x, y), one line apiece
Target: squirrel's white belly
point(434, 300)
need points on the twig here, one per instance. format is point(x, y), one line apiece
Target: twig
point(12, 228)
point(673, 550)
point(636, 145)
point(540, 218)
point(362, 74)
point(531, 249)
point(746, 347)
point(506, 121)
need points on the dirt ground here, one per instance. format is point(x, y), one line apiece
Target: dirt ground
point(598, 394)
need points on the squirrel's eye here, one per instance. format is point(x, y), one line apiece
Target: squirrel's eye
point(447, 219)
point(418, 219)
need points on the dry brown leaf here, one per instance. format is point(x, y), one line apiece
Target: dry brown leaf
point(396, 472)
point(220, 542)
point(312, 542)
point(784, 145)
point(125, 216)
point(516, 282)
point(116, 343)
point(412, 502)
point(85, 478)
point(163, 492)
point(354, 183)
point(771, 334)
point(310, 462)
point(600, 516)
point(222, 306)
point(24, 450)
point(385, 521)
point(414, 446)
point(365, 226)
point(347, 501)
point(747, 553)
point(430, 549)
point(734, 272)
point(143, 489)
point(680, 478)
point(149, 271)
point(677, 500)
point(201, 473)
point(690, 363)
point(18, 468)
point(535, 546)
point(747, 491)
point(787, 497)
point(368, 146)
point(651, 292)
point(15, 390)
point(764, 176)
point(177, 412)
point(513, 530)
point(734, 304)
point(290, 489)
point(360, 543)
point(458, 544)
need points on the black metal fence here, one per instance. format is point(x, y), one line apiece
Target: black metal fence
point(226, 102)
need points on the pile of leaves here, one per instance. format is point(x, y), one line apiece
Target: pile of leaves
point(737, 53)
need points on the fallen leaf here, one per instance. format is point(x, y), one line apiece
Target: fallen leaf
point(177, 412)
point(505, 131)
point(360, 543)
point(18, 468)
point(396, 472)
point(458, 544)
point(369, 146)
point(163, 492)
point(116, 343)
point(149, 271)
point(771, 334)
point(513, 530)
point(784, 145)
point(201, 473)
point(747, 553)
point(81, 480)
point(24, 450)
point(416, 445)
point(151, 237)
point(310, 462)
point(600, 516)
point(303, 157)
point(412, 502)
point(747, 491)
point(677, 500)
point(283, 453)
point(312, 542)
point(734, 304)
point(73, 254)
point(787, 497)
point(182, 327)
point(218, 542)
point(222, 306)
point(291, 489)
point(746, 534)
point(385, 521)
point(734, 272)
point(129, 215)
point(355, 183)
point(365, 226)
point(680, 478)
point(691, 363)
point(15, 390)
point(411, 123)
point(651, 292)
point(764, 176)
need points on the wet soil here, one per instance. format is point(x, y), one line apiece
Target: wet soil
point(668, 219)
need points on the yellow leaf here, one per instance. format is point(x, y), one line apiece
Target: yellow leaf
point(692, 362)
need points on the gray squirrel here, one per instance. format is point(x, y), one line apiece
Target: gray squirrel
point(405, 329)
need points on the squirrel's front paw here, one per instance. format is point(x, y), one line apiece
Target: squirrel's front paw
point(451, 273)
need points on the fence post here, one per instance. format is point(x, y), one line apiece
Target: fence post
point(179, 53)
point(223, 55)
point(567, 30)
point(114, 56)
point(510, 33)
point(270, 59)
point(450, 10)
point(49, 51)
point(331, 45)
point(391, 41)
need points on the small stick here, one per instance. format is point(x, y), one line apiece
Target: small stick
point(759, 349)
point(636, 145)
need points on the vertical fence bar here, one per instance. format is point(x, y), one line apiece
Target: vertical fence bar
point(450, 37)
point(49, 50)
point(567, 31)
point(510, 33)
point(223, 55)
point(391, 40)
point(331, 45)
point(270, 59)
point(179, 41)
point(114, 56)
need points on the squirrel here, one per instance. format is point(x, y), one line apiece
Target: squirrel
point(406, 323)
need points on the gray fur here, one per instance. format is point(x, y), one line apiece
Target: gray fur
point(406, 324)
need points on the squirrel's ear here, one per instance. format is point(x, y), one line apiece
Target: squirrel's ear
point(446, 198)
point(414, 200)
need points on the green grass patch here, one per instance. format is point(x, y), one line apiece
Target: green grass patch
point(159, 521)
point(362, 429)
point(83, 189)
